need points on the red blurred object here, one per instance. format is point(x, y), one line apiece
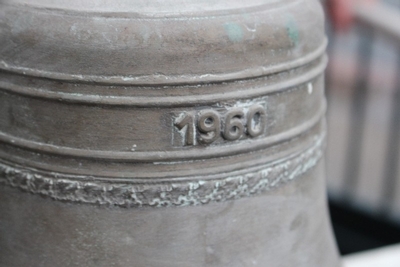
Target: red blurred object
point(342, 12)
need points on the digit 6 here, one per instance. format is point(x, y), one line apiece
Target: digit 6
point(233, 124)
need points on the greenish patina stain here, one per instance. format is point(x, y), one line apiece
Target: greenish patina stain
point(292, 29)
point(234, 31)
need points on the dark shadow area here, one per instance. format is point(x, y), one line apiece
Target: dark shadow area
point(358, 231)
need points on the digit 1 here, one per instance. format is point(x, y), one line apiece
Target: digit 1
point(188, 122)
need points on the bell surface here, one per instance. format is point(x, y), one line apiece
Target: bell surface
point(165, 133)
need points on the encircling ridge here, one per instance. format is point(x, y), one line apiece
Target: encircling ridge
point(201, 191)
point(158, 79)
point(151, 156)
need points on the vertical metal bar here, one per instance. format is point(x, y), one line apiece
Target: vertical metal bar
point(330, 51)
point(358, 113)
point(328, 73)
point(392, 157)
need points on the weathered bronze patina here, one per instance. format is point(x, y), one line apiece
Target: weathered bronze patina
point(162, 133)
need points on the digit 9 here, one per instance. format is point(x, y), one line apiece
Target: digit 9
point(209, 126)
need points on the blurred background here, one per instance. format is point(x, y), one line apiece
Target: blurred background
point(363, 92)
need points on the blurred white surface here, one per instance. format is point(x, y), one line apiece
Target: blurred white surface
point(383, 257)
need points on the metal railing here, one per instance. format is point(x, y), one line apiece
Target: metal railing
point(349, 182)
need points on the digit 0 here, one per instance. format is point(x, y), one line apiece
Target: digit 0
point(256, 120)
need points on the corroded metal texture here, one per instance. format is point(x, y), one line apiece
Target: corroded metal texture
point(162, 133)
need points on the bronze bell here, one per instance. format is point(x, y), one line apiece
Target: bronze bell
point(163, 133)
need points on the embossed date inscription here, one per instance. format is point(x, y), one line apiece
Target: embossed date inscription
point(207, 126)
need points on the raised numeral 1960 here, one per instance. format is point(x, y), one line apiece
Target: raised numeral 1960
point(208, 125)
